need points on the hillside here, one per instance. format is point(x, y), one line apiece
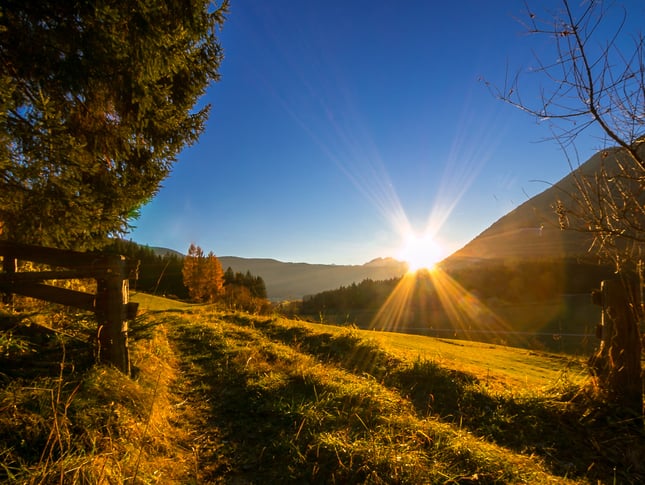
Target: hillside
point(234, 398)
point(532, 230)
point(288, 281)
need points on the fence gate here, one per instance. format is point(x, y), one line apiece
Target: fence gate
point(110, 303)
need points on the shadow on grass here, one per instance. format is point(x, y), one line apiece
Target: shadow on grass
point(242, 433)
point(30, 350)
point(40, 369)
point(272, 431)
point(576, 435)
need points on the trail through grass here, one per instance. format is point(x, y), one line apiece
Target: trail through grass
point(287, 414)
point(227, 397)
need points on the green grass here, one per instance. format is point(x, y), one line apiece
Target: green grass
point(223, 397)
point(495, 364)
point(148, 302)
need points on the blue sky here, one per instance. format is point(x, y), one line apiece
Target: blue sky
point(338, 124)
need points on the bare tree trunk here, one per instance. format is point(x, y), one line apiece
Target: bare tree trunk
point(617, 364)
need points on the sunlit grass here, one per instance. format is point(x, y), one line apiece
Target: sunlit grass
point(148, 302)
point(228, 397)
point(500, 367)
point(326, 391)
point(87, 423)
point(497, 366)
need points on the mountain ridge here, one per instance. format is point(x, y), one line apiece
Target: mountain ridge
point(288, 281)
point(533, 229)
point(294, 280)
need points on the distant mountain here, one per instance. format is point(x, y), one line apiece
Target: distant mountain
point(532, 231)
point(287, 281)
point(528, 233)
point(165, 251)
point(291, 281)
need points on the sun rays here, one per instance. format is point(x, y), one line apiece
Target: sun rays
point(426, 298)
point(432, 302)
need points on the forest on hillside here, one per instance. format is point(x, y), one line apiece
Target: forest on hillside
point(521, 290)
point(162, 274)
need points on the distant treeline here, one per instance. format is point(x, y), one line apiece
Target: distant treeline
point(158, 274)
point(458, 301)
point(368, 295)
point(517, 281)
point(161, 274)
point(512, 281)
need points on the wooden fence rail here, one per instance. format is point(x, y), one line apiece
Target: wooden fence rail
point(110, 303)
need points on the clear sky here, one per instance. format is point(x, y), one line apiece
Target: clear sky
point(338, 124)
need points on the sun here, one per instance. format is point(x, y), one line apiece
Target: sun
point(420, 252)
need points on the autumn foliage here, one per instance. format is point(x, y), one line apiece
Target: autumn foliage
point(203, 275)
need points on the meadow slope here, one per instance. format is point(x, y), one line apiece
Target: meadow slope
point(227, 397)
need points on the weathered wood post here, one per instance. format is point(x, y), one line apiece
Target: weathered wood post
point(617, 363)
point(111, 312)
point(9, 267)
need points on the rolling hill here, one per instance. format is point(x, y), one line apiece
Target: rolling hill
point(229, 397)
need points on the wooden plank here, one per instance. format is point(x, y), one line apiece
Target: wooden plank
point(63, 296)
point(111, 308)
point(36, 276)
point(60, 257)
point(111, 272)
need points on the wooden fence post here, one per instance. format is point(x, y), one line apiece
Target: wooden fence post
point(617, 363)
point(9, 266)
point(111, 311)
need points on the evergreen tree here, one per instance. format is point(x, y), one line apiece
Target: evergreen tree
point(229, 276)
point(96, 100)
point(157, 274)
point(245, 291)
point(259, 289)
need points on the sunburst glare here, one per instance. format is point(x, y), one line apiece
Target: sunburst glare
point(421, 251)
point(426, 298)
point(432, 302)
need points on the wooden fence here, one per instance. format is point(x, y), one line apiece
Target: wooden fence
point(110, 303)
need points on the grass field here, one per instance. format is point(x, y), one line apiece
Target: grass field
point(508, 366)
point(228, 397)
point(154, 303)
